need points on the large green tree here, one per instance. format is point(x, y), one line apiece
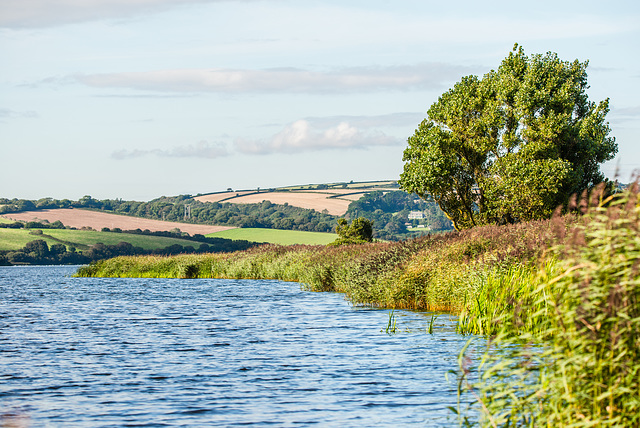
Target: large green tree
point(512, 145)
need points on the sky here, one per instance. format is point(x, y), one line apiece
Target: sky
point(138, 99)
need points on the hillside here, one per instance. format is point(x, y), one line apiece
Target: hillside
point(15, 239)
point(334, 199)
point(396, 215)
point(45, 242)
point(39, 243)
point(79, 218)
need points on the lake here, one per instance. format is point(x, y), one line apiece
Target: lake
point(98, 352)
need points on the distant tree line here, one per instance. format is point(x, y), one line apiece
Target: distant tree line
point(39, 252)
point(33, 225)
point(211, 244)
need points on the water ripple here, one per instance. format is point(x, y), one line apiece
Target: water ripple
point(92, 352)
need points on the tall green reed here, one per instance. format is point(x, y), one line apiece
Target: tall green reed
point(576, 358)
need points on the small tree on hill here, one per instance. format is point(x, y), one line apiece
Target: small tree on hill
point(360, 231)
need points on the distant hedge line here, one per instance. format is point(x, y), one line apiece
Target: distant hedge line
point(38, 251)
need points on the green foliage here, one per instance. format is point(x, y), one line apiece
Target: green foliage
point(360, 231)
point(511, 146)
point(38, 248)
point(581, 365)
point(4, 224)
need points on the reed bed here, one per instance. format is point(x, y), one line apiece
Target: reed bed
point(436, 273)
point(566, 344)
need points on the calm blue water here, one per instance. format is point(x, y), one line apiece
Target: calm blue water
point(93, 352)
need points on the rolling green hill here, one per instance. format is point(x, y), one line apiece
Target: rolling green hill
point(15, 239)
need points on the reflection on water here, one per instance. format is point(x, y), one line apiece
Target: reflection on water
point(166, 352)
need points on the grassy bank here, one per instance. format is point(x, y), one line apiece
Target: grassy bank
point(442, 272)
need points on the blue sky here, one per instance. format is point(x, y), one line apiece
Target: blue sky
point(137, 99)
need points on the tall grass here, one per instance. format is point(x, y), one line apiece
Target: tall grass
point(566, 352)
point(438, 273)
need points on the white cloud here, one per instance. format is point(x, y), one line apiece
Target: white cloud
point(278, 80)
point(626, 112)
point(202, 149)
point(45, 13)
point(302, 136)
point(12, 114)
point(400, 120)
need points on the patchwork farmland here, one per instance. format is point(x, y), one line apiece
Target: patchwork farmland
point(80, 218)
point(332, 199)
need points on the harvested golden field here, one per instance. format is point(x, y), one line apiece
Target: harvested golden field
point(314, 201)
point(97, 220)
point(310, 200)
point(221, 196)
point(352, 196)
point(334, 200)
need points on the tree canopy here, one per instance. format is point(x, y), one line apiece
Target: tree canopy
point(512, 145)
point(360, 231)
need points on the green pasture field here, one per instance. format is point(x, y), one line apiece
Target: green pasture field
point(276, 236)
point(15, 239)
